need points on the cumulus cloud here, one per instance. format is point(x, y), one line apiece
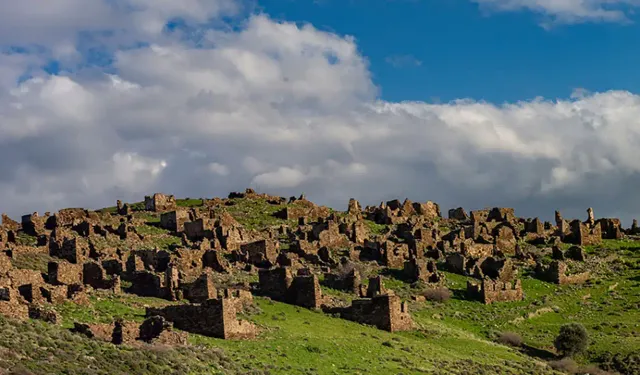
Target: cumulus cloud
point(569, 11)
point(290, 109)
point(219, 169)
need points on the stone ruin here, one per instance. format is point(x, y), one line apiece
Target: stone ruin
point(422, 270)
point(213, 317)
point(302, 290)
point(261, 253)
point(154, 330)
point(584, 234)
point(159, 202)
point(349, 281)
point(383, 309)
point(576, 253)
point(174, 220)
point(498, 281)
point(480, 244)
point(556, 273)
point(25, 293)
point(490, 291)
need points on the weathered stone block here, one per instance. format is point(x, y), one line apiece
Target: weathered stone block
point(65, 273)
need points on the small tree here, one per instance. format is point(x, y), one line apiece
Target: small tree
point(573, 339)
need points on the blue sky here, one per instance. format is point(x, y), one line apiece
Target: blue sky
point(467, 52)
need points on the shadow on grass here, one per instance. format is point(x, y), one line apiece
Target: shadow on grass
point(537, 352)
point(395, 273)
point(459, 294)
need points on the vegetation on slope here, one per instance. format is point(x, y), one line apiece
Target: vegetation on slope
point(39, 348)
point(295, 340)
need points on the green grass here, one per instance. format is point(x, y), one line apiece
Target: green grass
point(151, 230)
point(105, 308)
point(607, 307)
point(189, 202)
point(294, 340)
point(26, 239)
point(39, 348)
point(299, 341)
point(376, 229)
point(453, 337)
point(255, 213)
point(32, 261)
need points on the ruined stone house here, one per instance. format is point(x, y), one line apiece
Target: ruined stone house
point(159, 202)
point(302, 290)
point(556, 272)
point(214, 317)
point(490, 291)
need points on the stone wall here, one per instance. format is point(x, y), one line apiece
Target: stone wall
point(261, 253)
point(349, 281)
point(159, 202)
point(154, 329)
point(556, 272)
point(385, 311)
point(65, 273)
point(306, 292)
point(215, 318)
point(302, 290)
point(490, 291)
point(422, 270)
point(174, 220)
point(582, 234)
point(275, 283)
point(201, 289)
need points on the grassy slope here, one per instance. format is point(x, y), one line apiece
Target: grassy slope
point(41, 348)
point(299, 341)
point(296, 340)
point(610, 314)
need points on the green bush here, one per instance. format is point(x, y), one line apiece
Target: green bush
point(573, 339)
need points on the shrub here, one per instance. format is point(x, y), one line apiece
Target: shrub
point(573, 339)
point(626, 364)
point(567, 365)
point(437, 294)
point(593, 370)
point(510, 338)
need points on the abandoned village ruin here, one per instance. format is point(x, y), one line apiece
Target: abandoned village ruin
point(314, 248)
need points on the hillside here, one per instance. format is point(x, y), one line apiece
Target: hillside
point(257, 284)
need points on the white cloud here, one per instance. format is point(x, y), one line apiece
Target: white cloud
point(218, 169)
point(283, 177)
point(292, 109)
point(569, 11)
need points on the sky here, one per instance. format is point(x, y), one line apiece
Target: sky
point(531, 104)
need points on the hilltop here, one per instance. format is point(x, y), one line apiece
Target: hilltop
point(260, 284)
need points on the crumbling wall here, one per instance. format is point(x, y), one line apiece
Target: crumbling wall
point(490, 291)
point(386, 311)
point(215, 318)
point(583, 235)
point(422, 270)
point(201, 289)
point(393, 254)
point(275, 283)
point(303, 290)
point(306, 291)
point(65, 273)
point(261, 253)
point(556, 272)
point(160, 202)
point(349, 282)
point(174, 220)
